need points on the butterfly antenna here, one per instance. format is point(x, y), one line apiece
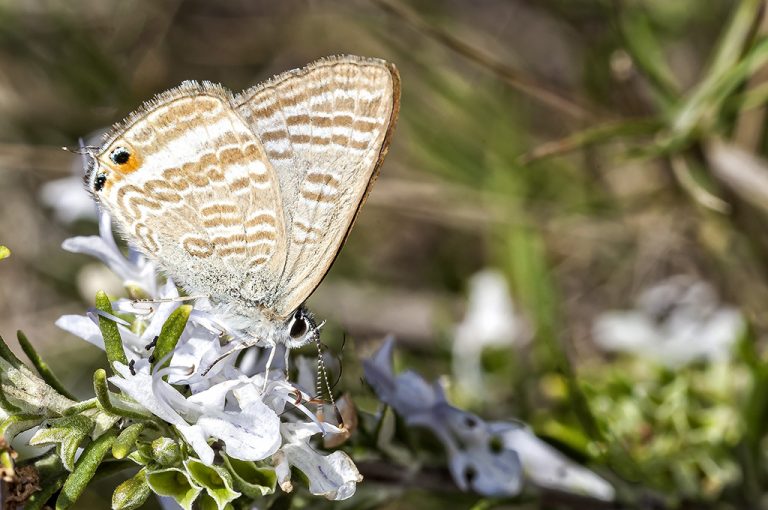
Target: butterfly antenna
point(322, 373)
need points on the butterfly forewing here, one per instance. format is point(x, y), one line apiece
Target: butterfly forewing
point(199, 194)
point(325, 129)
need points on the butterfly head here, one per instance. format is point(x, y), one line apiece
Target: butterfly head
point(110, 164)
point(301, 329)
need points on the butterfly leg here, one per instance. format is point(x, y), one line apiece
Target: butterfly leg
point(270, 359)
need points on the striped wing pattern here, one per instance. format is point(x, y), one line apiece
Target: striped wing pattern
point(325, 129)
point(248, 198)
point(204, 200)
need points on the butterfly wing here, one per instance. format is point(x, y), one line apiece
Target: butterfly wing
point(325, 129)
point(197, 193)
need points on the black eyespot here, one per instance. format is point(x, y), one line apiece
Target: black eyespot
point(298, 328)
point(99, 181)
point(120, 156)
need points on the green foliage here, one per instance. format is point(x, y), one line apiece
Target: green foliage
point(113, 343)
point(132, 493)
point(170, 333)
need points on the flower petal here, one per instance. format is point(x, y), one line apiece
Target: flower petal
point(82, 326)
point(333, 476)
point(252, 434)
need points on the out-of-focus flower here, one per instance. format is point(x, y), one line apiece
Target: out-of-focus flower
point(491, 458)
point(68, 199)
point(490, 320)
point(675, 322)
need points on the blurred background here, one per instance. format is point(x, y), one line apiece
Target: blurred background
point(570, 224)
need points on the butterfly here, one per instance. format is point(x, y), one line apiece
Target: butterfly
point(248, 198)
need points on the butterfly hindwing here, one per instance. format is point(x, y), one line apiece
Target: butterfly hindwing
point(325, 129)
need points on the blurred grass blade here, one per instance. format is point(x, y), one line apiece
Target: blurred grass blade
point(113, 343)
point(734, 39)
point(724, 74)
point(84, 470)
point(41, 366)
point(648, 54)
point(591, 136)
point(509, 75)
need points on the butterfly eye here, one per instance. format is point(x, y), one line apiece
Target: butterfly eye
point(298, 327)
point(120, 156)
point(99, 181)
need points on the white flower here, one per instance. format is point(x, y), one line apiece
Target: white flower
point(489, 458)
point(490, 321)
point(201, 388)
point(333, 476)
point(249, 428)
point(546, 467)
point(135, 270)
point(675, 322)
point(150, 317)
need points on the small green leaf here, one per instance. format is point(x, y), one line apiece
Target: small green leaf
point(66, 433)
point(102, 395)
point(175, 483)
point(170, 333)
point(38, 500)
point(126, 441)
point(41, 366)
point(18, 423)
point(166, 451)
point(4, 252)
point(84, 470)
point(251, 479)
point(205, 502)
point(132, 493)
point(7, 354)
point(216, 480)
point(113, 343)
point(142, 455)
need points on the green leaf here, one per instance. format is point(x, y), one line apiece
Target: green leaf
point(18, 423)
point(175, 483)
point(4, 252)
point(216, 480)
point(102, 395)
point(170, 333)
point(7, 354)
point(166, 451)
point(38, 500)
point(251, 479)
point(205, 502)
point(84, 470)
point(648, 54)
point(113, 343)
point(66, 433)
point(126, 441)
point(142, 455)
point(132, 493)
point(41, 366)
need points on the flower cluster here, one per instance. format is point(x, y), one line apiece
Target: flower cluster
point(204, 424)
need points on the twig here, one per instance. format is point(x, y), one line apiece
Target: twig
point(511, 76)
